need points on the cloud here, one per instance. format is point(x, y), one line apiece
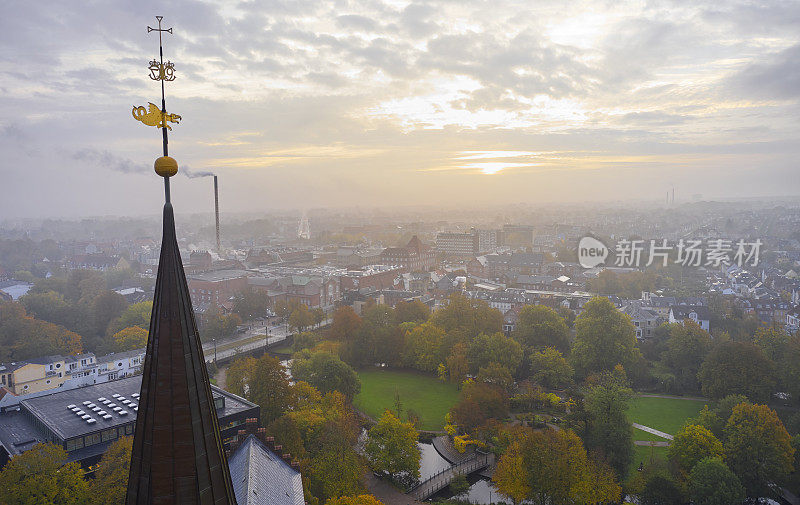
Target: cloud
point(778, 77)
point(378, 99)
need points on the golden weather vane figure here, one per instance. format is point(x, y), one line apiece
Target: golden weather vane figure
point(159, 71)
point(153, 116)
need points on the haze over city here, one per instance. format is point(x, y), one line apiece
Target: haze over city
point(329, 104)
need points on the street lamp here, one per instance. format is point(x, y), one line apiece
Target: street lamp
point(215, 350)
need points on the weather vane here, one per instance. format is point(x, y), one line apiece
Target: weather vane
point(153, 116)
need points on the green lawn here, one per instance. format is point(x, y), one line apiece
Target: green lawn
point(643, 454)
point(429, 397)
point(663, 414)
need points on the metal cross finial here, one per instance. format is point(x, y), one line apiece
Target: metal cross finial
point(163, 100)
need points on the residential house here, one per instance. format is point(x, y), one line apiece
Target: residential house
point(699, 314)
point(644, 320)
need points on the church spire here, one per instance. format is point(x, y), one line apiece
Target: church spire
point(177, 456)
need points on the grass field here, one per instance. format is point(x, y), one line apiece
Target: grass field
point(424, 394)
point(643, 454)
point(663, 414)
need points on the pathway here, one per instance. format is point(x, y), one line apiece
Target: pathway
point(441, 480)
point(651, 443)
point(385, 492)
point(671, 397)
point(653, 431)
point(444, 446)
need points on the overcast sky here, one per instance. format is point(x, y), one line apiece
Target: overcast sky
point(298, 104)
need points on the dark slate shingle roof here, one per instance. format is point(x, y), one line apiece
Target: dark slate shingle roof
point(260, 477)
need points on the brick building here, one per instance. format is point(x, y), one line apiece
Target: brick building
point(414, 257)
point(373, 277)
point(216, 288)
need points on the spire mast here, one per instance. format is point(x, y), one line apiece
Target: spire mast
point(161, 72)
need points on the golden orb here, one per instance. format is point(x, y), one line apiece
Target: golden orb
point(166, 166)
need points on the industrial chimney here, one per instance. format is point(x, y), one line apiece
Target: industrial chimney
point(216, 209)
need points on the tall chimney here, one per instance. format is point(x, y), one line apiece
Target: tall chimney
point(216, 208)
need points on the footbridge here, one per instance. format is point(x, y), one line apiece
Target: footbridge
point(476, 462)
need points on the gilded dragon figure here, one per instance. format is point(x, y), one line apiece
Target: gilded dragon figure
point(152, 116)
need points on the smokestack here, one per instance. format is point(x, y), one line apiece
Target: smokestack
point(673, 196)
point(216, 208)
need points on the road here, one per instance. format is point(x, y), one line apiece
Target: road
point(228, 347)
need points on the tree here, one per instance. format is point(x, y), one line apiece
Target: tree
point(477, 404)
point(609, 430)
point(305, 340)
point(106, 307)
point(40, 477)
point(218, 326)
point(604, 338)
point(22, 337)
point(457, 364)
point(137, 314)
point(411, 312)
point(301, 318)
point(335, 468)
point(773, 341)
point(661, 489)
point(281, 308)
point(129, 339)
point(550, 467)
point(459, 485)
point(362, 499)
point(757, 448)
point(737, 367)
point(239, 375)
point(111, 477)
point(712, 483)
point(495, 348)
point(264, 382)
point(550, 369)
point(687, 346)
point(511, 474)
point(329, 430)
point(539, 326)
point(464, 319)
point(628, 285)
point(709, 420)
point(83, 286)
point(345, 324)
point(691, 444)
point(317, 315)
point(378, 340)
point(326, 372)
point(789, 368)
point(497, 375)
point(392, 448)
point(48, 306)
point(250, 303)
point(724, 407)
point(424, 347)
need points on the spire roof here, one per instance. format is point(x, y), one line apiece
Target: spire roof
point(177, 454)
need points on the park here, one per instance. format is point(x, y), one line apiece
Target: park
point(422, 394)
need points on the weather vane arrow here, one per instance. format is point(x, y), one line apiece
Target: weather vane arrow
point(153, 116)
